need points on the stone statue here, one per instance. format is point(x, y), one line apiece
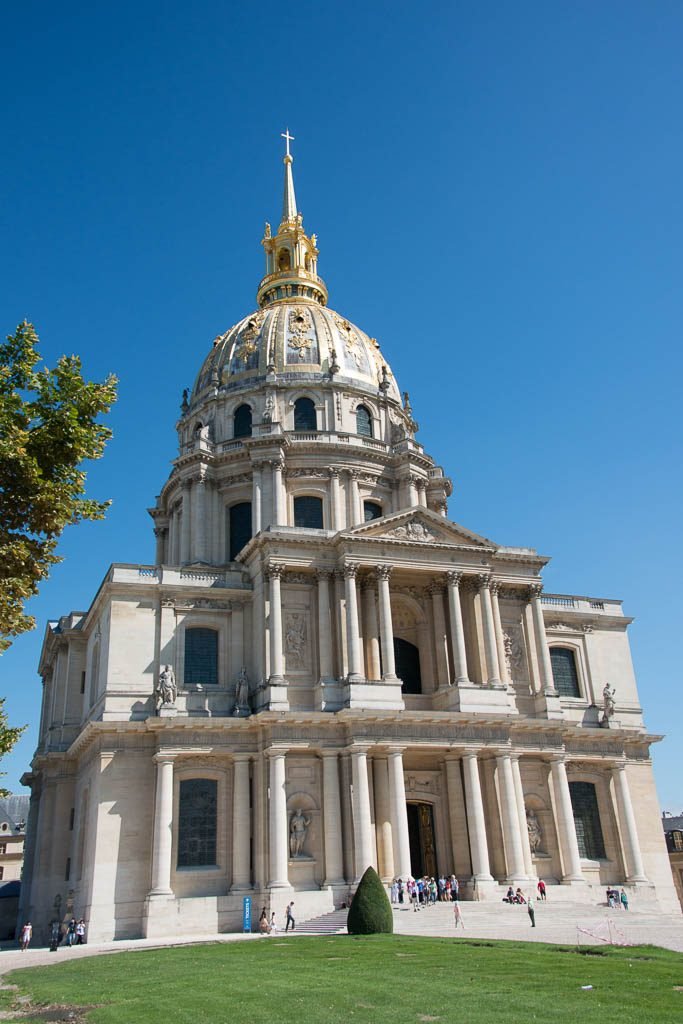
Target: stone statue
point(534, 829)
point(242, 690)
point(608, 703)
point(298, 828)
point(166, 690)
point(267, 231)
point(269, 408)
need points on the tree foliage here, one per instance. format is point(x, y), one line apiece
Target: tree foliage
point(8, 736)
point(370, 911)
point(48, 428)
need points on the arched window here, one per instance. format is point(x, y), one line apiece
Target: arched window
point(407, 658)
point(363, 421)
point(587, 820)
point(283, 259)
point(242, 422)
point(308, 511)
point(304, 415)
point(565, 676)
point(201, 657)
point(197, 819)
point(239, 527)
point(371, 510)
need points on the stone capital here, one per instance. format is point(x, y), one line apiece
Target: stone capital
point(350, 570)
point(454, 578)
point(274, 571)
point(384, 572)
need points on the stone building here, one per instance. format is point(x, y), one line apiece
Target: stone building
point(673, 833)
point(322, 671)
point(13, 815)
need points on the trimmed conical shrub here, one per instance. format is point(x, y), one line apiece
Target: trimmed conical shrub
point(370, 911)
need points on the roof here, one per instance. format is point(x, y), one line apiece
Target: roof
point(672, 822)
point(10, 890)
point(14, 810)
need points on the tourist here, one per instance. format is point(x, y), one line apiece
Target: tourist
point(394, 891)
point(80, 932)
point(71, 932)
point(442, 888)
point(457, 913)
point(400, 890)
point(541, 889)
point(289, 917)
point(624, 899)
point(519, 896)
point(530, 911)
point(263, 925)
point(455, 888)
point(509, 896)
point(25, 936)
point(273, 925)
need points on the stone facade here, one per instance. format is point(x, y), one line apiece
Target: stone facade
point(321, 671)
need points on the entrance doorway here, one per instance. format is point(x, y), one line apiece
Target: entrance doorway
point(407, 659)
point(421, 836)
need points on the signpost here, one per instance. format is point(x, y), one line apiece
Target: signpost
point(246, 914)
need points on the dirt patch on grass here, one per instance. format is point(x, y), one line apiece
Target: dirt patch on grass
point(25, 1013)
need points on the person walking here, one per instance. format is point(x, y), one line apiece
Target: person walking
point(541, 889)
point(71, 932)
point(457, 914)
point(273, 924)
point(530, 911)
point(26, 936)
point(624, 900)
point(289, 917)
point(80, 933)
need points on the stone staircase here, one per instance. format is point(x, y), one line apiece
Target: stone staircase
point(327, 924)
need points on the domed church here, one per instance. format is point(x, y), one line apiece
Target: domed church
point(321, 671)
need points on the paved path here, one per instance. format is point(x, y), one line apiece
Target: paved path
point(557, 923)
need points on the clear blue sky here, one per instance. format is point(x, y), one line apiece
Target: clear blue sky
point(496, 189)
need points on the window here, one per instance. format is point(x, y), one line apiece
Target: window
point(201, 657)
point(675, 841)
point(67, 871)
point(239, 527)
point(308, 512)
point(242, 422)
point(371, 510)
point(72, 815)
point(197, 811)
point(363, 421)
point(587, 820)
point(3, 848)
point(283, 259)
point(565, 676)
point(304, 415)
point(407, 658)
point(82, 682)
point(2, 873)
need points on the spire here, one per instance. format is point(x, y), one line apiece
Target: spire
point(289, 210)
point(291, 254)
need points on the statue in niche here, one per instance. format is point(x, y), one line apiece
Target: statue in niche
point(608, 703)
point(166, 691)
point(269, 408)
point(535, 831)
point(242, 691)
point(507, 644)
point(298, 829)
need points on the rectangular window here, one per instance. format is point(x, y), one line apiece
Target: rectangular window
point(67, 873)
point(587, 820)
point(565, 675)
point(72, 815)
point(308, 512)
point(3, 847)
point(197, 816)
point(201, 657)
point(2, 873)
point(82, 682)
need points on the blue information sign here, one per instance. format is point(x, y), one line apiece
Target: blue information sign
point(246, 914)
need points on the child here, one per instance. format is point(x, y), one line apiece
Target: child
point(457, 912)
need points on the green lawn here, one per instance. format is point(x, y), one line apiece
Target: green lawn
point(372, 979)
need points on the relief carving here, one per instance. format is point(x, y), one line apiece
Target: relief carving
point(296, 640)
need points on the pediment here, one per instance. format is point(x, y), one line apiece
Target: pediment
point(420, 526)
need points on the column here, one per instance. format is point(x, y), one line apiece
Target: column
point(566, 829)
point(493, 671)
point(256, 497)
point(635, 871)
point(277, 820)
point(160, 533)
point(339, 605)
point(370, 630)
point(510, 819)
point(163, 827)
point(413, 498)
point(399, 815)
point(457, 820)
point(185, 524)
point(498, 627)
point(383, 829)
point(324, 625)
point(200, 488)
point(440, 639)
point(521, 811)
point(332, 819)
point(279, 516)
point(352, 632)
point(362, 826)
point(241, 824)
point(236, 638)
point(354, 498)
point(385, 626)
point(545, 666)
point(335, 500)
point(422, 492)
point(457, 628)
point(276, 662)
point(475, 818)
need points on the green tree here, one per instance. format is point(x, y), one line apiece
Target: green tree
point(48, 427)
point(8, 737)
point(370, 912)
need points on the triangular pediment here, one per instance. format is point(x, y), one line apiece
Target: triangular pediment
point(420, 526)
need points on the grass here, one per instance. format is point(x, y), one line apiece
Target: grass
point(373, 979)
